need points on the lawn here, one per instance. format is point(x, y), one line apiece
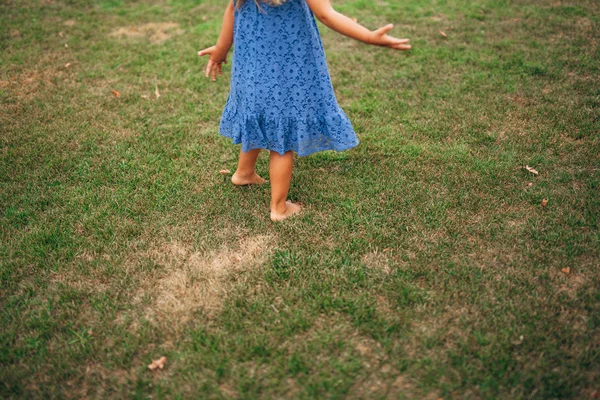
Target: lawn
point(424, 265)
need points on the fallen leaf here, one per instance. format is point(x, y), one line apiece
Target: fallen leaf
point(566, 270)
point(518, 341)
point(160, 363)
point(530, 184)
point(225, 172)
point(145, 96)
point(443, 33)
point(544, 202)
point(117, 94)
point(533, 171)
point(67, 65)
point(156, 92)
point(66, 46)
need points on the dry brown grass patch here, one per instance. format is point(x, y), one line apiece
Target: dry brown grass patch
point(197, 281)
point(155, 32)
point(379, 377)
point(446, 327)
point(572, 279)
point(29, 82)
point(378, 261)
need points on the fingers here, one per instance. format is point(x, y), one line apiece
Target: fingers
point(398, 44)
point(212, 68)
point(395, 41)
point(385, 29)
point(401, 47)
point(208, 68)
point(206, 51)
point(390, 41)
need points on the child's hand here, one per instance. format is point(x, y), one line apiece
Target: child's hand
point(217, 58)
point(381, 38)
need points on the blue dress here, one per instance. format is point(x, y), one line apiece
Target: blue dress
point(281, 97)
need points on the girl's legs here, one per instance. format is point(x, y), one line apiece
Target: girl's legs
point(245, 174)
point(280, 172)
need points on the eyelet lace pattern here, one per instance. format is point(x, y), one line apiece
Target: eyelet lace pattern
point(281, 97)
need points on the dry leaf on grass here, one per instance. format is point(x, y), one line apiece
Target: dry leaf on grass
point(156, 92)
point(67, 65)
point(160, 363)
point(116, 94)
point(225, 172)
point(443, 33)
point(518, 341)
point(530, 169)
point(566, 270)
point(544, 203)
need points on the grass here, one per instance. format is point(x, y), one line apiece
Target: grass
point(424, 265)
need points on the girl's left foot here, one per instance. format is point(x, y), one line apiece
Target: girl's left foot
point(253, 179)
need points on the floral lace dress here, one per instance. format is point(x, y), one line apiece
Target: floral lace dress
point(281, 95)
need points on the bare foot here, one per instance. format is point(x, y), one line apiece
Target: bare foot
point(291, 209)
point(254, 179)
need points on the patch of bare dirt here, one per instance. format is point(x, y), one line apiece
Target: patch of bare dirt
point(155, 32)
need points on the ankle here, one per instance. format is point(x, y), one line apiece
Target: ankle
point(244, 174)
point(279, 208)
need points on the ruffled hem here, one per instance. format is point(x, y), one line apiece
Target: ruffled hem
point(304, 136)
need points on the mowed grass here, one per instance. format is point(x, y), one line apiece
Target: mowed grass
point(423, 265)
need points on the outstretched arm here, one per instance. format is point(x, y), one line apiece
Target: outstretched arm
point(344, 25)
point(218, 53)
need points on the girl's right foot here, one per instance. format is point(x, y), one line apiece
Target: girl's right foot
point(280, 215)
point(253, 179)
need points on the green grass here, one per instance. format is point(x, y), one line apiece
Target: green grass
point(423, 265)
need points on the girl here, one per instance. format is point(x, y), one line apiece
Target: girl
point(281, 97)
